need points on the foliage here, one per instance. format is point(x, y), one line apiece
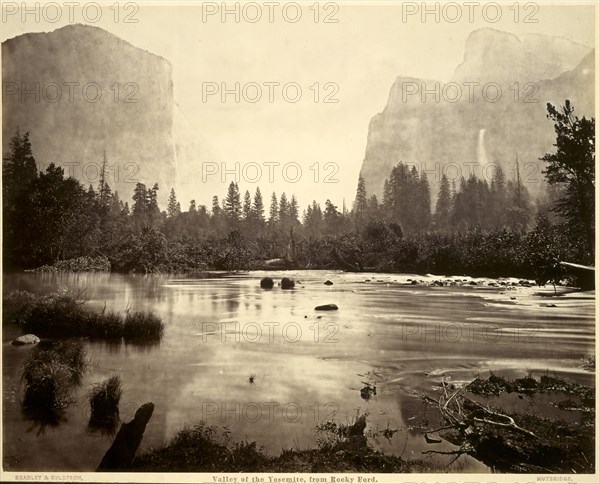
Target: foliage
point(62, 314)
point(573, 166)
point(78, 264)
point(478, 228)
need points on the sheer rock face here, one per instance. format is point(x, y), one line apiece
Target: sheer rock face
point(493, 108)
point(90, 92)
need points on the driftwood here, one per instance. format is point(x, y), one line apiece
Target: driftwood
point(586, 274)
point(478, 429)
point(126, 443)
point(478, 414)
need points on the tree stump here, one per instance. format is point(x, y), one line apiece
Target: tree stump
point(126, 443)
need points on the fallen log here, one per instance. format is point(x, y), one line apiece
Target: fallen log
point(586, 275)
point(126, 443)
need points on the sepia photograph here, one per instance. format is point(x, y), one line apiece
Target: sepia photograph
point(304, 242)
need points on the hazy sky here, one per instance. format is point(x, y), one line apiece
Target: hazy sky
point(360, 55)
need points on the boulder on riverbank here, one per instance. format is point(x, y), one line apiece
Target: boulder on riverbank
point(267, 283)
point(26, 339)
point(287, 283)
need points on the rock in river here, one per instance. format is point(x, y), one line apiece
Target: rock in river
point(26, 339)
point(328, 283)
point(326, 307)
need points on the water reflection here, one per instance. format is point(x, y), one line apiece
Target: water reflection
point(230, 349)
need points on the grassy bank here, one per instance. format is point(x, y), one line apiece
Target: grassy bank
point(61, 314)
point(341, 448)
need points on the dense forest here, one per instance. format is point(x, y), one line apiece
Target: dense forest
point(473, 227)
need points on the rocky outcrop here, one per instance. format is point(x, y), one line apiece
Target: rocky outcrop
point(460, 131)
point(80, 90)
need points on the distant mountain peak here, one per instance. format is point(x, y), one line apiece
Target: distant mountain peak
point(434, 132)
point(493, 55)
point(77, 32)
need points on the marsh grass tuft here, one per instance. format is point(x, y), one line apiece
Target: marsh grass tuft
point(104, 403)
point(143, 326)
point(62, 314)
point(51, 372)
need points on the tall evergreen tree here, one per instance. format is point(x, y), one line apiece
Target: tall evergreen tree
point(152, 206)
point(293, 210)
point(273, 210)
point(140, 206)
point(19, 172)
point(423, 203)
point(233, 206)
point(443, 205)
point(258, 206)
point(284, 209)
point(360, 202)
point(216, 207)
point(173, 208)
point(19, 168)
point(519, 208)
point(247, 207)
point(498, 199)
point(331, 218)
point(573, 166)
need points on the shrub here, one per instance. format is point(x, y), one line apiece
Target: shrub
point(78, 264)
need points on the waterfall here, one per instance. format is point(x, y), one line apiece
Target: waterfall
point(481, 155)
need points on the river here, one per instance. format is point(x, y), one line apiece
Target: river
point(268, 367)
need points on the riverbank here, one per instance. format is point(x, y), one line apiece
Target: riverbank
point(474, 419)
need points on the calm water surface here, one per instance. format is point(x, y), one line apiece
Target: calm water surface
point(307, 365)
